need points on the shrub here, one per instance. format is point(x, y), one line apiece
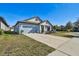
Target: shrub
point(10, 32)
point(1, 32)
point(22, 31)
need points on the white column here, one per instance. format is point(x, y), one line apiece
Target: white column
point(40, 28)
point(50, 28)
point(44, 28)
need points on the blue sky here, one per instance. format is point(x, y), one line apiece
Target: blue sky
point(56, 13)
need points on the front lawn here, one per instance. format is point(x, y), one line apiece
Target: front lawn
point(20, 45)
point(63, 34)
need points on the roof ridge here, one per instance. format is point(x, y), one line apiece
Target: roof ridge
point(47, 21)
point(4, 21)
point(32, 18)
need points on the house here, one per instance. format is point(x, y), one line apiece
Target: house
point(33, 25)
point(12, 28)
point(3, 25)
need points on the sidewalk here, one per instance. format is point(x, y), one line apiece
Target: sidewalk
point(57, 53)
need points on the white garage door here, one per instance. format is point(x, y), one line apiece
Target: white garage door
point(30, 29)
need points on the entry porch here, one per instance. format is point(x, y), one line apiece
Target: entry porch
point(45, 29)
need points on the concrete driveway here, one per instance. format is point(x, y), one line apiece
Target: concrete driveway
point(64, 46)
point(52, 41)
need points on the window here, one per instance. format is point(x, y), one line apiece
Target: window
point(48, 28)
point(36, 19)
point(26, 26)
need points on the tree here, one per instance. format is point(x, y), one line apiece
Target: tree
point(62, 28)
point(56, 27)
point(76, 25)
point(69, 26)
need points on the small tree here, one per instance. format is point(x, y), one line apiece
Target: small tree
point(69, 26)
point(76, 25)
point(1, 32)
point(62, 28)
point(56, 27)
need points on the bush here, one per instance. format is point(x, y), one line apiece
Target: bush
point(22, 31)
point(10, 32)
point(1, 31)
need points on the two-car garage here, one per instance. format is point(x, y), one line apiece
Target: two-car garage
point(29, 28)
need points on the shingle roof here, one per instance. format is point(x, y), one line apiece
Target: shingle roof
point(47, 21)
point(26, 21)
point(3, 20)
point(32, 18)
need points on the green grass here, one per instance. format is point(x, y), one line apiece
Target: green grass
point(63, 34)
point(20, 45)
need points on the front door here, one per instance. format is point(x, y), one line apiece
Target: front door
point(48, 28)
point(42, 28)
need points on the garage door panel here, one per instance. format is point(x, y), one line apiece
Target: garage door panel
point(30, 28)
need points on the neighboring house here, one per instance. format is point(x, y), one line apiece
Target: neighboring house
point(12, 28)
point(3, 25)
point(33, 25)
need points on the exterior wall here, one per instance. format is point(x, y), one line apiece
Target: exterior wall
point(34, 20)
point(3, 26)
point(12, 29)
point(45, 28)
point(51, 28)
point(0, 24)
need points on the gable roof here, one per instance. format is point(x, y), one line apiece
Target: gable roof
point(31, 22)
point(46, 21)
point(3, 20)
point(33, 18)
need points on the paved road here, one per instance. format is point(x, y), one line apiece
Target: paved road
point(75, 34)
point(64, 46)
point(71, 47)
